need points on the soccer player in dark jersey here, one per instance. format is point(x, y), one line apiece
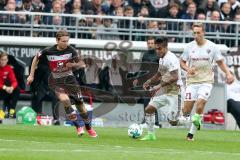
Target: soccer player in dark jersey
point(62, 59)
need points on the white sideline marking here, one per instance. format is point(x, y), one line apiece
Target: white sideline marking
point(116, 150)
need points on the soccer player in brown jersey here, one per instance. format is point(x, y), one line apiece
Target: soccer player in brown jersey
point(62, 59)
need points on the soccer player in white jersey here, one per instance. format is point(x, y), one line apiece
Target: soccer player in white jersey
point(165, 93)
point(197, 60)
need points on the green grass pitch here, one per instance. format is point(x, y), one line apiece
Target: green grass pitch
point(20, 142)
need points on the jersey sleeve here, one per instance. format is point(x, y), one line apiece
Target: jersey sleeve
point(185, 54)
point(41, 53)
point(75, 55)
point(217, 55)
point(12, 77)
point(173, 63)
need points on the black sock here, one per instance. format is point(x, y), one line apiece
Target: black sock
point(86, 120)
point(72, 116)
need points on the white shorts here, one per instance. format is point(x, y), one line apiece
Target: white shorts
point(196, 91)
point(173, 102)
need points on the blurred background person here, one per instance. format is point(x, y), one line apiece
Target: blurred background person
point(9, 90)
point(233, 100)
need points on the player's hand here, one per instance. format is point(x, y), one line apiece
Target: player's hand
point(70, 65)
point(191, 71)
point(146, 85)
point(9, 90)
point(229, 78)
point(135, 82)
point(154, 90)
point(82, 64)
point(30, 79)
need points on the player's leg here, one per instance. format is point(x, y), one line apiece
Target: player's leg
point(174, 104)
point(189, 100)
point(155, 102)
point(203, 94)
point(150, 121)
point(84, 115)
point(73, 89)
point(64, 98)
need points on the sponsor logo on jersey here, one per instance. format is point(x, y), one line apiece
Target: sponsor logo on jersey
point(59, 57)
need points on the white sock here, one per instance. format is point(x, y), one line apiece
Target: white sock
point(150, 120)
point(193, 129)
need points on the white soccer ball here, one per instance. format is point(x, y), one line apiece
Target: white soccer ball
point(135, 131)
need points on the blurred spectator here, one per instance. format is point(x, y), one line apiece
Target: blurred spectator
point(152, 27)
point(10, 18)
point(191, 12)
point(209, 6)
point(116, 72)
point(107, 31)
point(141, 24)
point(213, 27)
point(173, 13)
point(91, 73)
point(27, 6)
point(2, 4)
point(136, 5)
point(149, 56)
point(56, 8)
point(225, 13)
point(38, 5)
point(74, 9)
point(95, 6)
point(119, 11)
point(18, 70)
point(114, 5)
point(233, 100)
point(125, 23)
point(57, 24)
point(158, 9)
point(201, 16)
point(9, 90)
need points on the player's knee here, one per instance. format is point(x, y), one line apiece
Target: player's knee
point(64, 99)
point(78, 100)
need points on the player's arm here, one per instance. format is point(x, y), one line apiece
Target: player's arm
point(32, 70)
point(184, 66)
point(224, 68)
point(77, 61)
point(173, 78)
point(154, 79)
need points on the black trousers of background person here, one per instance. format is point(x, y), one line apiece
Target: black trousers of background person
point(42, 94)
point(9, 100)
point(233, 107)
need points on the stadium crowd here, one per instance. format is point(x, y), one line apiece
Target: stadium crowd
point(212, 10)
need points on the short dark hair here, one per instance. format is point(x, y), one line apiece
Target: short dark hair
point(150, 38)
point(162, 40)
point(61, 33)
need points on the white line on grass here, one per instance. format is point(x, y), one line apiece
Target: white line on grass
point(114, 149)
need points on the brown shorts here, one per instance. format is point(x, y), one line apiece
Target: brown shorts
point(67, 85)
